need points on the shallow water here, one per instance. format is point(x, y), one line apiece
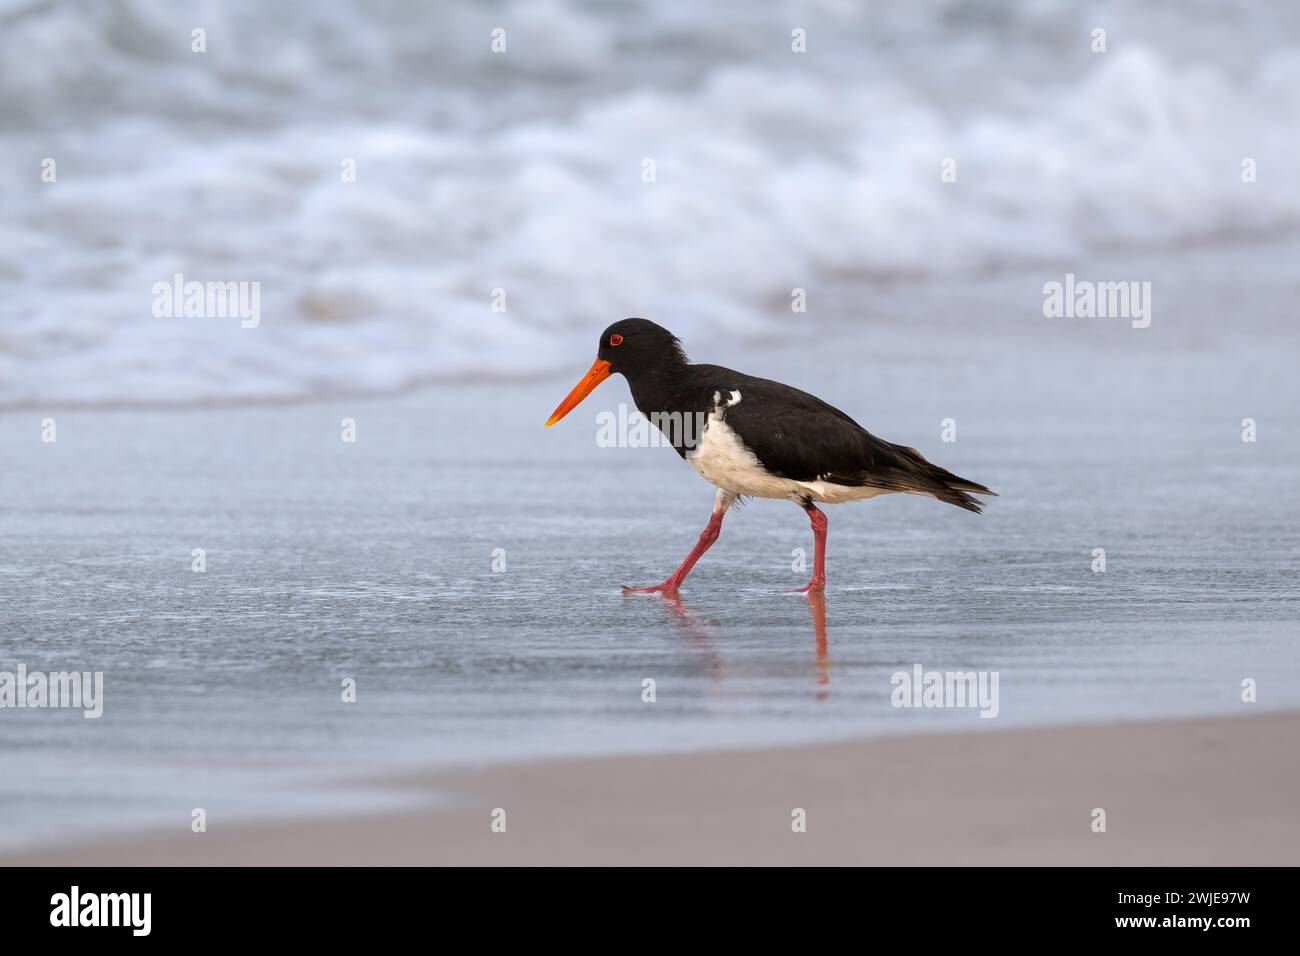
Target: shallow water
point(374, 560)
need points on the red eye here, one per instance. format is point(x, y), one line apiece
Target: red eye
point(616, 339)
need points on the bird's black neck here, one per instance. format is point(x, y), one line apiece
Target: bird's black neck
point(658, 388)
point(669, 397)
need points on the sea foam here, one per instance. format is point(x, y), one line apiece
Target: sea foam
point(527, 172)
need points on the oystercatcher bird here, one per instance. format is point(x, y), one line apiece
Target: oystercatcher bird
point(751, 437)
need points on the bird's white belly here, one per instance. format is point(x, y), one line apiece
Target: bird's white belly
point(723, 460)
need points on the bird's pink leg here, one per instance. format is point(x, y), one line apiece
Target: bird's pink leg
point(707, 537)
point(818, 580)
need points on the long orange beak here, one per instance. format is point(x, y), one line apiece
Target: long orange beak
point(598, 372)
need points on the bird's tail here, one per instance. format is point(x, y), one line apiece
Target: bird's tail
point(944, 485)
point(957, 490)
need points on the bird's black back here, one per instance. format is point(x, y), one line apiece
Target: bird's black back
point(794, 434)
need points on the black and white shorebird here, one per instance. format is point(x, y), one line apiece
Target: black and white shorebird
point(752, 437)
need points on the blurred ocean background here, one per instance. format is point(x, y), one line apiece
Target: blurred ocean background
point(523, 171)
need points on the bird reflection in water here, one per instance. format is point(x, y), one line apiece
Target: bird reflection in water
point(702, 635)
point(700, 631)
point(817, 604)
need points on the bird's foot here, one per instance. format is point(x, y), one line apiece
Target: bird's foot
point(667, 587)
point(812, 587)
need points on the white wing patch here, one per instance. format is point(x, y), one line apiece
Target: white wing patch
point(732, 399)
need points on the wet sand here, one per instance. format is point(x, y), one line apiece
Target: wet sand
point(377, 561)
point(1205, 791)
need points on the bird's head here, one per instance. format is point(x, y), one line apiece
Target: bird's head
point(630, 347)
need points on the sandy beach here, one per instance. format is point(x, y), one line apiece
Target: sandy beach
point(1220, 791)
point(376, 561)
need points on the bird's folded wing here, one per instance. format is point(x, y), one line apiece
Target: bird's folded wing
point(796, 435)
